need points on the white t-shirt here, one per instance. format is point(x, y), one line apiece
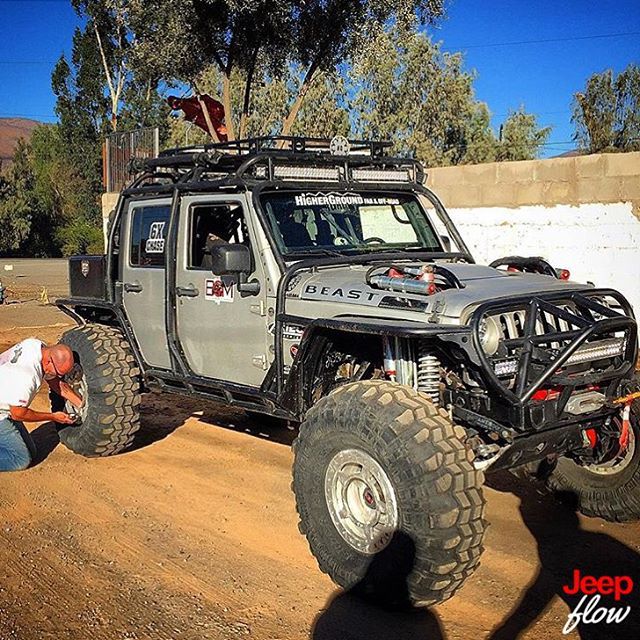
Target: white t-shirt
point(21, 375)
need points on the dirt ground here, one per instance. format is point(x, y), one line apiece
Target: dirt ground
point(193, 535)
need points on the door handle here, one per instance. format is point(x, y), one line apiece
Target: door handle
point(187, 292)
point(133, 287)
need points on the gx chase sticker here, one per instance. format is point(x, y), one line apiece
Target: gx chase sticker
point(155, 242)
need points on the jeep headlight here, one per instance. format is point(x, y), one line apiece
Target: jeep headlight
point(489, 335)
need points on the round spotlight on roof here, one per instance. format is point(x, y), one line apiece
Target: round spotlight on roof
point(339, 146)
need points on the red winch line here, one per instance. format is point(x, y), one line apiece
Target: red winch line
point(626, 426)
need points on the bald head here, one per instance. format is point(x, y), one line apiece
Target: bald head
point(57, 360)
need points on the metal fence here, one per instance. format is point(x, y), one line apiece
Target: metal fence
point(120, 148)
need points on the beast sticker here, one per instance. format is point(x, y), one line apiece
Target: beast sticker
point(312, 290)
point(217, 290)
point(155, 242)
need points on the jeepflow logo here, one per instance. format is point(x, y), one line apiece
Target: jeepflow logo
point(587, 610)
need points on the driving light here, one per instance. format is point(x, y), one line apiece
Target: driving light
point(490, 335)
point(505, 368)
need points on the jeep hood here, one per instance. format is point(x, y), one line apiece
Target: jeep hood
point(347, 284)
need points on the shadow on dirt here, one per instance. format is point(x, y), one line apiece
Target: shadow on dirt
point(161, 415)
point(46, 439)
point(564, 546)
point(354, 614)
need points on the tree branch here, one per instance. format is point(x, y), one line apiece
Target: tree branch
point(205, 113)
point(297, 104)
point(226, 90)
point(114, 95)
point(247, 93)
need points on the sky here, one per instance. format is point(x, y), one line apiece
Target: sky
point(532, 54)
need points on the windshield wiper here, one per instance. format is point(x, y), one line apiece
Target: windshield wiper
point(320, 252)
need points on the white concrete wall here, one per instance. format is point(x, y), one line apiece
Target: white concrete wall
point(599, 243)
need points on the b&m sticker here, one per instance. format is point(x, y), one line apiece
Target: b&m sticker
point(217, 290)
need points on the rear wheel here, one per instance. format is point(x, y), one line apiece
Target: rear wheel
point(609, 489)
point(108, 378)
point(387, 494)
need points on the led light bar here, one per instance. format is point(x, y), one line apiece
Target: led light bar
point(598, 350)
point(380, 175)
point(306, 173)
point(505, 368)
point(595, 351)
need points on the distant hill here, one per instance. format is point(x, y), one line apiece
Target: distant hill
point(11, 130)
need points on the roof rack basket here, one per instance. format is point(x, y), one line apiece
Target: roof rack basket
point(337, 146)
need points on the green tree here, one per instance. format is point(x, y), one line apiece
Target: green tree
point(316, 35)
point(83, 114)
point(17, 204)
point(133, 100)
point(521, 137)
point(409, 91)
point(324, 114)
point(62, 225)
point(606, 115)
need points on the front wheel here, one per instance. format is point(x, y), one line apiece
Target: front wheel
point(609, 489)
point(387, 494)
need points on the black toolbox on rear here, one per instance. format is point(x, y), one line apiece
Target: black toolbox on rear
point(87, 276)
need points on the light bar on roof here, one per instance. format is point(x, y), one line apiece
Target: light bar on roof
point(306, 173)
point(381, 175)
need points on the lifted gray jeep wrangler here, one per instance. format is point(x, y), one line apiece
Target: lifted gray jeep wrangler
point(321, 283)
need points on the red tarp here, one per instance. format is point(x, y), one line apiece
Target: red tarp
point(193, 113)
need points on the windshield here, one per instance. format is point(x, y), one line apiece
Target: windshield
point(348, 222)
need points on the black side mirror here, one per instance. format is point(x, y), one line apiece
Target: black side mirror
point(446, 243)
point(234, 259)
point(230, 259)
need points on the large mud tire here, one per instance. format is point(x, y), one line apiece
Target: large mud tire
point(611, 493)
point(437, 537)
point(111, 415)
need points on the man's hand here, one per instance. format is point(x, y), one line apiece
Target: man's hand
point(62, 418)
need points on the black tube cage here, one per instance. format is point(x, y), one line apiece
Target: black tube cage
point(557, 341)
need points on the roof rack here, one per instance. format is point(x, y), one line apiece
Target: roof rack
point(287, 158)
point(337, 146)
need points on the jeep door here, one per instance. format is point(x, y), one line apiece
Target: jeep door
point(223, 335)
point(143, 255)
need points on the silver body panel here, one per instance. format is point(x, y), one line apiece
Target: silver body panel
point(145, 308)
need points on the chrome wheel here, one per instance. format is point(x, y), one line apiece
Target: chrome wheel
point(621, 461)
point(361, 500)
point(78, 382)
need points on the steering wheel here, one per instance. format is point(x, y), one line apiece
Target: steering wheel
point(373, 239)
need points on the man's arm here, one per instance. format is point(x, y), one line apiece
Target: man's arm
point(63, 389)
point(24, 414)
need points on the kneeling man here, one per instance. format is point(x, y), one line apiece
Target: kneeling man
point(22, 370)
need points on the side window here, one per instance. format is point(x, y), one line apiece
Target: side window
point(149, 228)
point(214, 224)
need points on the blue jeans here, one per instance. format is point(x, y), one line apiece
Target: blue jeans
point(16, 446)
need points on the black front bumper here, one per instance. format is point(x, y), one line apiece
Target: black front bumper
point(553, 330)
